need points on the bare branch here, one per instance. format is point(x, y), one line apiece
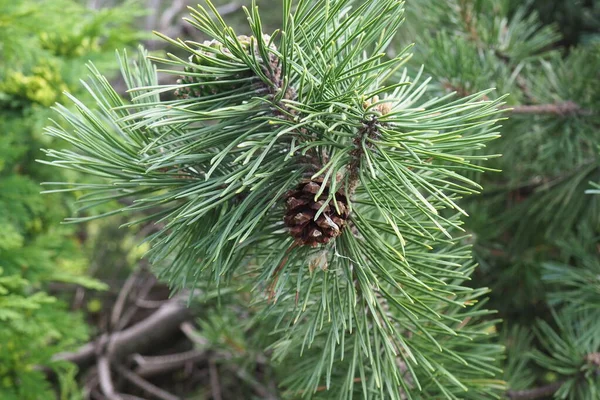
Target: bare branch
point(535, 393)
point(170, 13)
point(122, 298)
point(106, 383)
point(156, 365)
point(154, 6)
point(215, 386)
point(145, 385)
point(142, 303)
point(137, 338)
point(141, 294)
point(561, 109)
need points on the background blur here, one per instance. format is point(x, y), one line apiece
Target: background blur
point(534, 227)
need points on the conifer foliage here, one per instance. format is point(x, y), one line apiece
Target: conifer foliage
point(306, 164)
point(536, 225)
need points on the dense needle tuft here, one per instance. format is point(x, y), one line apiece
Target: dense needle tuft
point(198, 82)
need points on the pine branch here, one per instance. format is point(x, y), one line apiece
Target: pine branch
point(565, 108)
point(225, 161)
point(535, 393)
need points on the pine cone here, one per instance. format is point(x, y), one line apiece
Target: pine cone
point(302, 208)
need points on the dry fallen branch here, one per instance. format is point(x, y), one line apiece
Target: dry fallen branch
point(106, 383)
point(122, 298)
point(143, 384)
point(137, 338)
point(156, 365)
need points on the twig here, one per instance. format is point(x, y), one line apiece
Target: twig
point(155, 6)
point(470, 24)
point(106, 383)
point(156, 365)
point(562, 109)
point(145, 385)
point(535, 393)
point(132, 311)
point(142, 303)
point(215, 386)
point(370, 130)
point(190, 332)
point(122, 298)
point(167, 15)
point(141, 336)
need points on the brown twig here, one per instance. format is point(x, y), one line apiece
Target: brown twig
point(470, 24)
point(215, 386)
point(137, 338)
point(156, 365)
point(143, 303)
point(122, 298)
point(145, 385)
point(535, 393)
point(562, 109)
point(190, 332)
point(140, 295)
point(105, 378)
point(370, 130)
point(169, 14)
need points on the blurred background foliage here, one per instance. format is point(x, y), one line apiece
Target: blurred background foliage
point(43, 49)
point(535, 227)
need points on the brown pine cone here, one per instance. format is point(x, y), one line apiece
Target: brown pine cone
point(302, 208)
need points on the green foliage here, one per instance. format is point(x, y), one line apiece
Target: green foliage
point(36, 66)
point(35, 326)
point(518, 371)
point(570, 351)
point(536, 225)
point(578, 20)
point(382, 311)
